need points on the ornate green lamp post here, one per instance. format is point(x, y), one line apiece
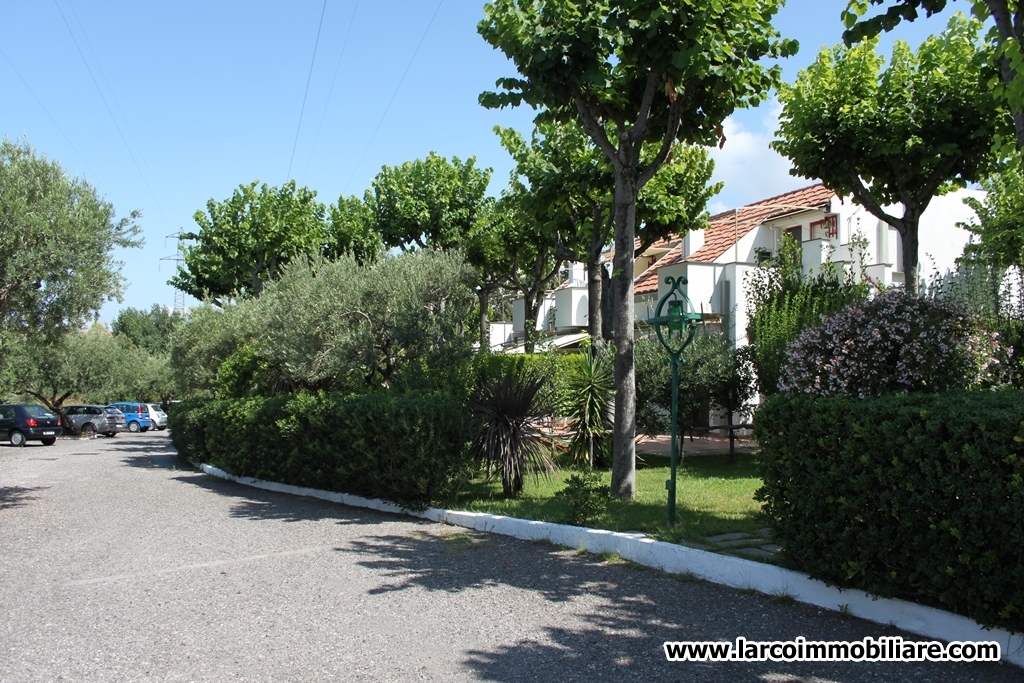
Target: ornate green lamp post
point(675, 328)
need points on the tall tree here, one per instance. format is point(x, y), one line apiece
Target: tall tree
point(1006, 37)
point(568, 174)
point(149, 330)
point(898, 136)
point(350, 231)
point(428, 202)
point(57, 239)
point(487, 251)
point(244, 240)
point(634, 71)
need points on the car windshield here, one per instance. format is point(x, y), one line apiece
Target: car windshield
point(112, 411)
point(37, 411)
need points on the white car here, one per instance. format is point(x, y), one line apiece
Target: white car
point(158, 416)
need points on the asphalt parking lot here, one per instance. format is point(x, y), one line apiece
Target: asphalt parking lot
point(118, 562)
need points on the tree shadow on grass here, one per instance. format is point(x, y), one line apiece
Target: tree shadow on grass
point(18, 496)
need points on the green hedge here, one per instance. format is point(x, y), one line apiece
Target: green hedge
point(408, 448)
point(912, 496)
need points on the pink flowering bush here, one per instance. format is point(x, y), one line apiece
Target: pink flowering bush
point(892, 343)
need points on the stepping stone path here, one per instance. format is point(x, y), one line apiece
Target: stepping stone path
point(753, 546)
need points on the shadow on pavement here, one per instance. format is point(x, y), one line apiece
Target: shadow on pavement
point(625, 612)
point(628, 613)
point(17, 496)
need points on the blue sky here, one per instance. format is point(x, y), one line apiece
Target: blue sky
point(163, 106)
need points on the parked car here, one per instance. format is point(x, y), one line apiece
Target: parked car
point(158, 416)
point(136, 415)
point(89, 420)
point(28, 422)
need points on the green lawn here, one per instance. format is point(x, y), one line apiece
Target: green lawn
point(713, 497)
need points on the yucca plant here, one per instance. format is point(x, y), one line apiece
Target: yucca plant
point(591, 390)
point(509, 441)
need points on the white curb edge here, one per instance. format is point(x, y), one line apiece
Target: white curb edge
point(724, 570)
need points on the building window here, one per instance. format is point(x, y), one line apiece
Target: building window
point(796, 232)
point(826, 228)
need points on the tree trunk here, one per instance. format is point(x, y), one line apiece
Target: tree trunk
point(624, 426)
point(532, 308)
point(909, 235)
point(607, 305)
point(594, 287)
point(484, 296)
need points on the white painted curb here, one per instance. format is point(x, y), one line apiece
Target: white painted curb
point(677, 559)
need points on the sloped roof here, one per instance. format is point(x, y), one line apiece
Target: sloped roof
point(647, 281)
point(728, 228)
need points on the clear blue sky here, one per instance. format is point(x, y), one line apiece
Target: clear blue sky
point(163, 106)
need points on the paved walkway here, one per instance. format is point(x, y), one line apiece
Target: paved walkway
point(116, 566)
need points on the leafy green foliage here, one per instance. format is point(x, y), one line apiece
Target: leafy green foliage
point(634, 72)
point(400, 322)
point(900, 136)
point(351, 232)
point(149, 330)
point(509, 441)
point(430, 202)
point(1005, 37)
point(57, 241)
point(244, 241)
point(1000, 218)
point(915, 496)
point(590, 393)
point(94, 367)
point(411, 449)
point(783, 303)
point(586, 496)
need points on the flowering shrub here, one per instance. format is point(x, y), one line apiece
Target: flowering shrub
point(893, 343)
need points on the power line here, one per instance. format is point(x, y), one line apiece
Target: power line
point(330, 92)
point(54, 121)
point(107, 106)
point(397, 88)
point(161, 200)
point(306, 93)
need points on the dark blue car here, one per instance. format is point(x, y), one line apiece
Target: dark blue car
point(28, 422)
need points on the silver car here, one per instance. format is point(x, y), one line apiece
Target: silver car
point(158, 416)
point(89, 419)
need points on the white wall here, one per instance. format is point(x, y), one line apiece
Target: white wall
point(571, 308)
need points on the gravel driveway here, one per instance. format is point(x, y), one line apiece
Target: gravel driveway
point(116, 564)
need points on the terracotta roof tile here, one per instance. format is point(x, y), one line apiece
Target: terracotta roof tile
point(647, 281)
point(727, 228)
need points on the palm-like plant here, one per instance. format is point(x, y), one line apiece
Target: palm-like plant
point(509, 440)
point(591, 389)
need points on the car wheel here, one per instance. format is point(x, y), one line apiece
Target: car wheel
point(17, 438)
point(88, 429)
point(49, 442)
point(134, 427)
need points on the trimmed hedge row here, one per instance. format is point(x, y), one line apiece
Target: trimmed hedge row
point(911, 495)
point(409, 448)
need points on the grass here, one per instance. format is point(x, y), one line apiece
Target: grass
point(712, 497)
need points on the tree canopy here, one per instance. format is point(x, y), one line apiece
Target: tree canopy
point(245, 240)
point(428, 202)
point(149, 330)
point(900, 135)
point(634, 71)
point(1006, 39)
point(58, 239)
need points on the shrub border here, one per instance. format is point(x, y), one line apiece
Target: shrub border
point(724, 570)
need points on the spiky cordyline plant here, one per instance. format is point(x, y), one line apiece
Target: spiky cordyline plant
point(509, 441)
point(592, 390)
